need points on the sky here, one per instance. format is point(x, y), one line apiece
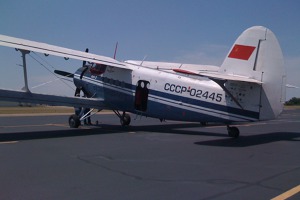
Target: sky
point(190, 31)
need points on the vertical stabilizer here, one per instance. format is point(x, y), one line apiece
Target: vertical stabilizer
point(257, 54)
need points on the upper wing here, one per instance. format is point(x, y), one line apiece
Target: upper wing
point(58, 51)
point(28, 97)
point(53, 100)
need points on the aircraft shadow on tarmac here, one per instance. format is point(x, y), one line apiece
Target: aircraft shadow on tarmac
point(252, 140)
point(225, 141)
point(103, 129)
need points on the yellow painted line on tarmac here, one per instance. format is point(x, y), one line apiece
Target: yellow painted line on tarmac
point(288, 193)
point(59, 125)
point(32, 125)
point(254, 124)
point(20, 126)
point(41, 125)
point(48, 114)
point(9, 142)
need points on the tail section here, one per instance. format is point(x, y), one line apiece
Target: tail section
point(257, 54)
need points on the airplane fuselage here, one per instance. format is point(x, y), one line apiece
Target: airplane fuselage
point(165, 95)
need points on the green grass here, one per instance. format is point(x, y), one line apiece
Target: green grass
point(291, 107)
point(36, 110)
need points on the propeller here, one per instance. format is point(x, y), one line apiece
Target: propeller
point(63, 73)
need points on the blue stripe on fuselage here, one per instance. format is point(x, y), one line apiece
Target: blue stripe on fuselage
point(163, 111)
point(205, 104)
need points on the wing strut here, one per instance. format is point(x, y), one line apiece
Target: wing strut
point(24, 52)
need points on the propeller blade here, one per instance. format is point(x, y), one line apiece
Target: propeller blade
point(63, 73)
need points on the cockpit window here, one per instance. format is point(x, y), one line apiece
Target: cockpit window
point(97, 69)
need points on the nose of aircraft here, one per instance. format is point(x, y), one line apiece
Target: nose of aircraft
point(78, 72)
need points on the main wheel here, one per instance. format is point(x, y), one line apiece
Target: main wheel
point(233, 132)
point(74, 121)
point(125, 120)
point(203, 123)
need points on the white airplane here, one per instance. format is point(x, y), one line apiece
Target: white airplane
point(249, 86)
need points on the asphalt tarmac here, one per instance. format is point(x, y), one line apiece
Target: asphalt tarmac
point(42, 158)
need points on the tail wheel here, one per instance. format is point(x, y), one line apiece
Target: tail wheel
point(233, 132)
point(125, 120)
point(74, 121)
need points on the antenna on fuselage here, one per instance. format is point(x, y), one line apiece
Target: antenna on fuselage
point(116, 49)
point(143, 60)
point(84, 62)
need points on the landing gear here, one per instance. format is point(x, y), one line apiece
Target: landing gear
point(74, 121)
point(124, 118)
point(233, 131)
point(203, 123)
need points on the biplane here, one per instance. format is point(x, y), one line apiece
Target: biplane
point(249, 86)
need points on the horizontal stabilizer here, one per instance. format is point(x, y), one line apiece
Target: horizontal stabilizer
point(218, 76)
point(58, 51)
point(52, 100)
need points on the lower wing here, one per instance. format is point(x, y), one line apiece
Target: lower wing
point(52, 100)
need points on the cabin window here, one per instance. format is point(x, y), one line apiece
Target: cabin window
point(97, 69)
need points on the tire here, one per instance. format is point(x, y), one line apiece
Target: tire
point(203, 123)
point(74, 121)
point(233, 132)
point(125, 120)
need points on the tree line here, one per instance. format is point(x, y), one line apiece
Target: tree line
point(293, 101)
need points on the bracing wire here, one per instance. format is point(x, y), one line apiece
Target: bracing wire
point(57, 77)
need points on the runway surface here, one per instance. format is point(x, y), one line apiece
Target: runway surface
point(42, 158)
